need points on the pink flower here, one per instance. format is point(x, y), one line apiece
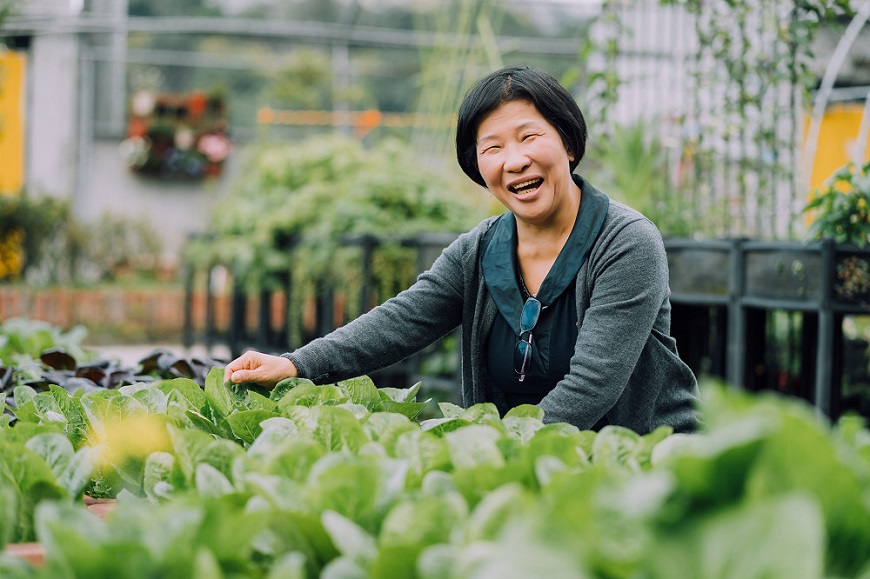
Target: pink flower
point(215, 147)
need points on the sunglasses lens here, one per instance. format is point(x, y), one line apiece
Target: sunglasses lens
point(529, 317)
point(523, 355)
point(523, 351)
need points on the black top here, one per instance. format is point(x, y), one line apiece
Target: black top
point(552, 346)
point(555, 334)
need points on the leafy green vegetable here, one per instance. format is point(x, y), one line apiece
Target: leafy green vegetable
point(246, 423)
point(28, 480)
point(285, 385)
point(161, 477)
point(23, 340)
point(326, 481)
point(9, 519)
point(221, 396)
point(351, 540)
point(781, 537)
point(186, 388)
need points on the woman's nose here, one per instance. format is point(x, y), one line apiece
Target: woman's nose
point(516, 159)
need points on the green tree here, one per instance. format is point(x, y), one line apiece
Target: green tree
point(305, 81)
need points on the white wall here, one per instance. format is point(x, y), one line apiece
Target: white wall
point(64, 160)
point(173, 208)
point(52, 114)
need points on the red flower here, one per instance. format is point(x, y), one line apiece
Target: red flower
point(196, 104)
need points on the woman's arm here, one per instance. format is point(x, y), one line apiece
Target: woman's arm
point(396, 329)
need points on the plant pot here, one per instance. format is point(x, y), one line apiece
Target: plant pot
point(33, 553)
point(780, 271)
point(99, 507)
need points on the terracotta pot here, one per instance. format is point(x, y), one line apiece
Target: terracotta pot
point(34, 553)
point(89, 500)
point(99, 507)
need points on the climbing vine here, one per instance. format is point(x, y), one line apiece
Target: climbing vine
point(751, 80)
point(603, 82)
point(757, 56)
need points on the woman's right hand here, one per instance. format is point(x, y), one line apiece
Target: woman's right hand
point(261, 369)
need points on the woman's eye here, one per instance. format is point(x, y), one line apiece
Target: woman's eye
point(529, 136)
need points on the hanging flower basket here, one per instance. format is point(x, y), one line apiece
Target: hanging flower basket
point(177, 136)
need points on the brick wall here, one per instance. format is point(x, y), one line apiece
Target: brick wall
point(130, 316)
point(112, 314)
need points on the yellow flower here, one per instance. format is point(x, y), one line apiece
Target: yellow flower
point(132, 437)
point(11, 253)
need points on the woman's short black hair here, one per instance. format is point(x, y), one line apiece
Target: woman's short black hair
point(518, 83)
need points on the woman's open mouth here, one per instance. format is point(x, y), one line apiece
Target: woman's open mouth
point(525, 186)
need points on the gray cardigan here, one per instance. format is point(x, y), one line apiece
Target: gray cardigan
point(624, 367)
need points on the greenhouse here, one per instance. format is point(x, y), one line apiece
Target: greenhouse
point(196, 181)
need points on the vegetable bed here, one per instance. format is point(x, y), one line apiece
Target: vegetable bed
point(207, 479)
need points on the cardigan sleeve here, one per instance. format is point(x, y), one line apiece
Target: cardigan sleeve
point(394, 330)
point(626, 281)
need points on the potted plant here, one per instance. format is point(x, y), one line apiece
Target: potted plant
point(840, 211)
point(841, 208)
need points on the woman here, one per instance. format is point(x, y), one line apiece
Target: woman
point(563, 300)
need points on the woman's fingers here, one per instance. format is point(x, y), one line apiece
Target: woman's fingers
point(258, 368)
point(240, 376)
point(240, 364)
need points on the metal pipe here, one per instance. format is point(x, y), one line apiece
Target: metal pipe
point(821, 101)
point(319, 32)
point(863, 131)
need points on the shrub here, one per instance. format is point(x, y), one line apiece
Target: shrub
point(840, 208)
point(43, 243)
point(296, 204)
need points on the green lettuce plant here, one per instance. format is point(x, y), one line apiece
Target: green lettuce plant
point(341, 480)
point(23, 340)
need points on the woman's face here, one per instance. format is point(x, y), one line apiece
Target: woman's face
point(524, 163)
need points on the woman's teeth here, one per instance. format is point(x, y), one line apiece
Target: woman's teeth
point(525, 185)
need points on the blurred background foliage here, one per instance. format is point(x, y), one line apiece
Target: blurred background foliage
point(44, 244)
point(302, 195)
point(302, 206)
point(302, 188)
point(257, 73)
point(396, 77)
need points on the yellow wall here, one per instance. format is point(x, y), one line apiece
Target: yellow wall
point(12, 66)
point(837, 135)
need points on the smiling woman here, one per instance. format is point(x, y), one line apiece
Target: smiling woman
point(524, 164)
point(563, 300)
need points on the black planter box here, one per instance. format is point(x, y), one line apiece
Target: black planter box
point(723, 293)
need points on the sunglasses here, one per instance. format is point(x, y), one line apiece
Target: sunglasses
point(523, 352)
